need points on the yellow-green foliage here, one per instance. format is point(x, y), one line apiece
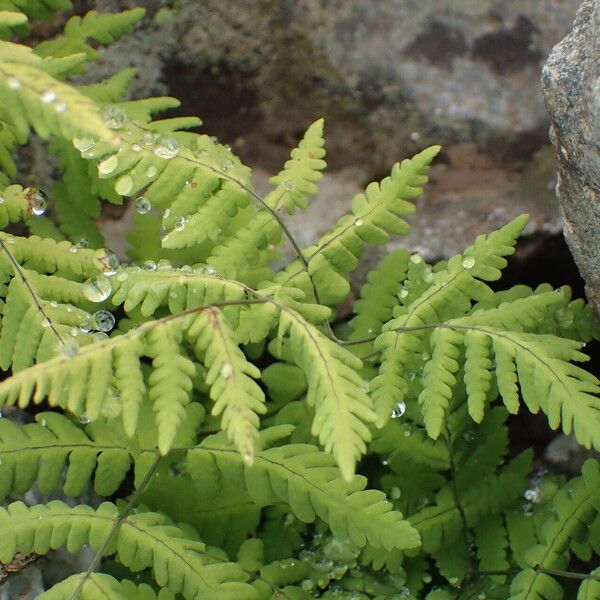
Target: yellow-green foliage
point(212, 384)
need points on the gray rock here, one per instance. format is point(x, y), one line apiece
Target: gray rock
point(571, 86)
point(391, 77)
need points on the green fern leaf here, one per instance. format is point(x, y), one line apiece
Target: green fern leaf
point(576, 505)
point(374, 215)
point(39, 100)
point(378, 297)
point(237, 397)
point(294, 184)
point(103, 28)
point(39, 452)
point(308, 481)
point(100, 586)
point(335, 389)
point(143, 540)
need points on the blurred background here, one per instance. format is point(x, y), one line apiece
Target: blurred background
point(391, 77)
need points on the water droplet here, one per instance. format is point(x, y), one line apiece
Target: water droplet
point(163, 265)
point(532, 495)
point(289, 519)
point(114, 117)
point(60, 107)
point(407, 433)
point(82, 242)
point(83, 144)
point(104, 320)
point(38, 201)
point(210, 271)
point(69, 308)
point(85, 326)
point(74, 332)
point(226, 371)
point(148, 140)
point(124, 185)
point(97, 289)
point(288, 184)
point(399, 410)
point(142, 205)
point(84, 419)
point(395, 492)
point(54, 304)
point(385, 461)
point(416, 258)
point(179, 224)
point(43, 422)
point(109, 261)
point(136, 147)
point(48, 96)
point(2, 200)
point(167, 148)
point(149, 265)
point(46, 323)
point(13, 83)
point(69, 348)
point(358, 222)
point(468, 262)
point(99, 336)
point(108, 165)
point(307, 585)
point(415, 136)
point(151, 171)
point(427, 578)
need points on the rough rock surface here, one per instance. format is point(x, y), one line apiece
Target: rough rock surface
point(571, 85)
point(391, 77)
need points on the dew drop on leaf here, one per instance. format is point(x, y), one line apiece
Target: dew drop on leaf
point(468, 262)
point(104, 320)
point(149, 265)
point(38, 201)
point(13, 83)
point(114, 117)
point(48, 96)
point(151, 171)
point(85, 326)
point(167, 148)
point(124, 185)
point(69, 348)
point(142, 205)
point(97, 289)
point(108, 165)
point(398, 410)
point(226, 371)
point(179, 224)
point(84, 419)
point(83, 144)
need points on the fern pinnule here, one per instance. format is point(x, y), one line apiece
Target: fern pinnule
point(378, 297)
point(342, 407)
point(230, 376)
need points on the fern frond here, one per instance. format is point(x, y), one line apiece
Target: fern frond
point(237, 397)
point(37, 9)
point(102, 28)
point(307, 479)
point(378, 297)
point(39, 100)
point(336, 390)
point(576, 504)
point(143, 540)
point(374, 216)
point(293, 185)
point(449, 294)
point(39, 452)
